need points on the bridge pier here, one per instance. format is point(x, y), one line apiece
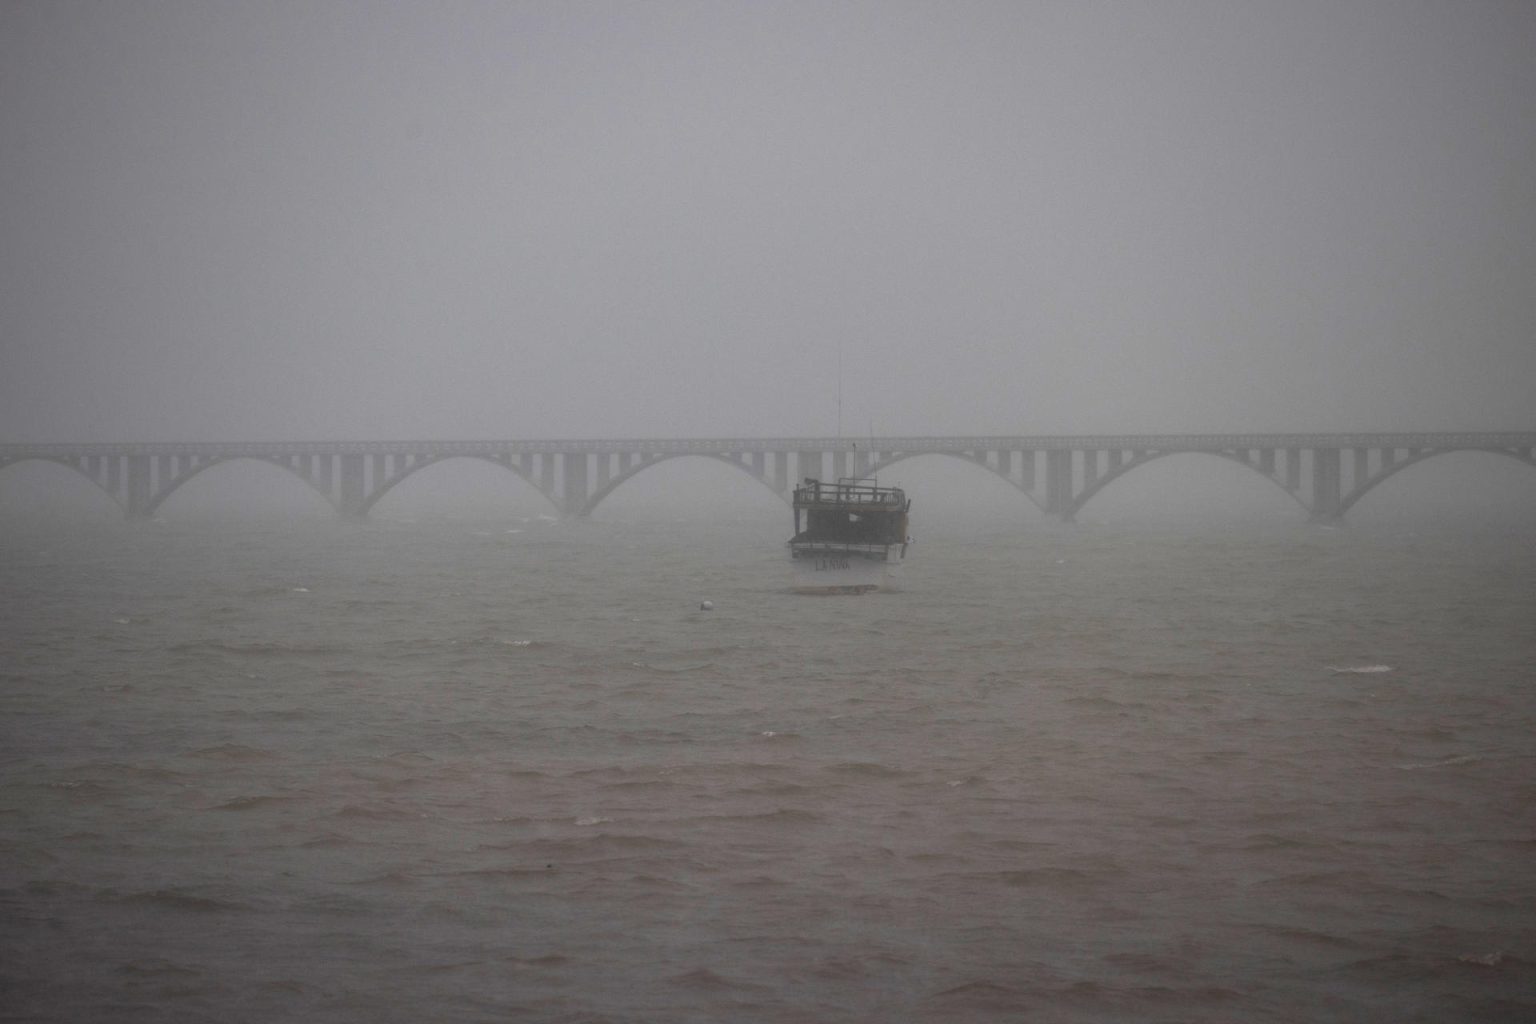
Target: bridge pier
point(140, 486)
point(325, 477)
point(573, 471)
point(1058, 484)
point(604, 469)
point(1027, 471)
point(862, 458)
point(353, 500)
point(1327, 506)
point(807, 464)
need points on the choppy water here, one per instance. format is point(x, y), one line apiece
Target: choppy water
point(508, 771)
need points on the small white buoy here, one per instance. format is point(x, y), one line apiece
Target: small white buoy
point(706, 606)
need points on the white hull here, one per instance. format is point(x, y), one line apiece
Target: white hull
point(831, 571)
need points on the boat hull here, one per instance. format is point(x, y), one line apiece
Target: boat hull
point(829, 571)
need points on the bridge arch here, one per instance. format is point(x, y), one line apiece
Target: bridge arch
point(75, 466)
point(888, 461)
point(197, 468)
point(615, 482)
point(1385, 473)
point(1140, 459)
point(409, 470)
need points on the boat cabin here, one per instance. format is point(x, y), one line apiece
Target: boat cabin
point(850, 513)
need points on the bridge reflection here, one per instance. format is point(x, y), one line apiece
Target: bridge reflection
point(1326, 474)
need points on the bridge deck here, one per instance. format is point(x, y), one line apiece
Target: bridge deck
point(1076, 442)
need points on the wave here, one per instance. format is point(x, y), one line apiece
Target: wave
point(440, 968)
point(257, 803)
point(176, 899)
point(641, 785)
point(547, 960)
point(584, 846)
point(84, 789)
point(396, 878)
point(1311, 937)
point(1442, 763)
point(769, 788)
point(1278, 841)
point(257, 649)
point(510, 873)
point(233, 752)
point(1050, 877)
point(375, 812)
point(158, 967)
point(273, 589)
point(1416, 968)
point(673, 670)
point(1099, 703)
point(778, 816)
point(1449, 762)
point(981, 994)
point(865, 769)
point(705, 980)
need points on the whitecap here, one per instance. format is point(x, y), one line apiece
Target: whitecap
point(1446, 763)
point(1362, 670)
point(594, 820)
point(299, 590)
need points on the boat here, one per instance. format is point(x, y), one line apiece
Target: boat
point(849, 535)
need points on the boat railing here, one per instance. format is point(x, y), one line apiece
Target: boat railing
point(847, 492)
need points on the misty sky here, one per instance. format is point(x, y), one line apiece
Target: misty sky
point(348, 220)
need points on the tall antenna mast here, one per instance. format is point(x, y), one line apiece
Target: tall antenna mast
point(839, 389)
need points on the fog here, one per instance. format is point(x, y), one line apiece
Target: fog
point(294, 221)
point(301, 733)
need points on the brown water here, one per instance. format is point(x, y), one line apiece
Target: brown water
point(508, 770)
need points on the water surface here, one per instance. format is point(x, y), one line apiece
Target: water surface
point(508, 770)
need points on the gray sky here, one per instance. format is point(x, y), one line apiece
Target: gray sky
point(351, 220)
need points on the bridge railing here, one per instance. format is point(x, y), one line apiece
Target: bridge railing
point(681, 446)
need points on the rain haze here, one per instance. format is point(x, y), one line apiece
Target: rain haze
point(466, 725)
point(354, 221)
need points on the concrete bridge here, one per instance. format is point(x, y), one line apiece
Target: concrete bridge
point(1325, 474)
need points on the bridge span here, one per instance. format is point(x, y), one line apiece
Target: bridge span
point(1325, 474)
